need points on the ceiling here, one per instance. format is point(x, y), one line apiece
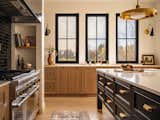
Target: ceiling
point(113, 1)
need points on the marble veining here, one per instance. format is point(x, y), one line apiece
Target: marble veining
point(148, 80)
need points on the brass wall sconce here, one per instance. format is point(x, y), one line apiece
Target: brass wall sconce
point(47, 31)
point(149, 30)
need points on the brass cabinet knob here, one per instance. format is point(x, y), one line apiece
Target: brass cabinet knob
point(109, 83)
point(100, 93)
point(109, 101)
point(122, 91)
point(122, 115)
point(147, 108)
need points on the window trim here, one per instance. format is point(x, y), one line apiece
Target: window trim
point(77, 36)
point(107, 35)
point(137, 42)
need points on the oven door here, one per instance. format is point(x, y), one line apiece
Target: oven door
point(27, 108)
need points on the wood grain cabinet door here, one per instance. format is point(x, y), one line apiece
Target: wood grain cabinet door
point(89, 81)
point(1, 103)
point(62, 80)
point(51, 75)
point(4, 102)
point(74, 80)
point(50, 88)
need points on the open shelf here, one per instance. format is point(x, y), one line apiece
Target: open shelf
point(23, 47)
point(23, 34)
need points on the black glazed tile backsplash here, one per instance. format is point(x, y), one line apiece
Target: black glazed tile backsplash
point(5, 42)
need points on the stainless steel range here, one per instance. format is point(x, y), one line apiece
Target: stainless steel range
point(24, 93)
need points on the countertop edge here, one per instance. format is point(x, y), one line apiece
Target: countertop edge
point(131, 83)
point(102, 66)
point(3, 83)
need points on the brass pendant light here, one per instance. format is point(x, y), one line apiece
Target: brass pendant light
point(138, 13)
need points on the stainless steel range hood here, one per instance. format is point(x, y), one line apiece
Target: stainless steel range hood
point(27, 11)
point(36, 7)
point(21, 7)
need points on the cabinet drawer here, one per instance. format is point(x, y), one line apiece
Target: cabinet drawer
point(101, 95)
point(101, 79)
point(146, 105)
point(109, 84)
point(100, 86)
point(109, 103)
point(123, 92)
point(121, 113)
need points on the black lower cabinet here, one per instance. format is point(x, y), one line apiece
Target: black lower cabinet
point(146, 106)
point(109, 103)
point(121, 113)
point(125, 101)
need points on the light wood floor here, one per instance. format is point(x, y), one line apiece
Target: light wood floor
point(74, 104)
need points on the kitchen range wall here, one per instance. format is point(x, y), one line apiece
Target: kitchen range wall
point(5, 41)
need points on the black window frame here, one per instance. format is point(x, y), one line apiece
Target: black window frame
point(77, 36)
point(137, 42)
point(107, 36)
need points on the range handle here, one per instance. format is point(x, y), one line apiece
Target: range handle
point(20, 100)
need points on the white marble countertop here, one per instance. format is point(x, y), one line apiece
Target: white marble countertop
point(148, 80)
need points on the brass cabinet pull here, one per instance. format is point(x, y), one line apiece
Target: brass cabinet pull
point(122, 91)
point(100, 83)
point(147, 108)
point(109, 83)
point(109, 101)
point(122, 115)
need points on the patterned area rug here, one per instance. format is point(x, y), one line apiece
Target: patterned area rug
point(70, 115)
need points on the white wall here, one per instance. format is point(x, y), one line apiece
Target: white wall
point(146, 44)
point(157, 32)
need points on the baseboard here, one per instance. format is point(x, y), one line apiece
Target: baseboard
point(70, 95)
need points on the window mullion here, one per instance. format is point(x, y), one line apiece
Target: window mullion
point(96, 39)
point(67, 37)
point(126, 41)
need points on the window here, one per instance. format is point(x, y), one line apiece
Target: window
point(126, 40)
point(67, 38)
point(96, 37)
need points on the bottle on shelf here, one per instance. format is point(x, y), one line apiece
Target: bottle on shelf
point(18, 63)
point(22, 63)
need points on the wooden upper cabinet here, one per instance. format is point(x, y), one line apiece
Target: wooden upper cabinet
point(89, 80)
